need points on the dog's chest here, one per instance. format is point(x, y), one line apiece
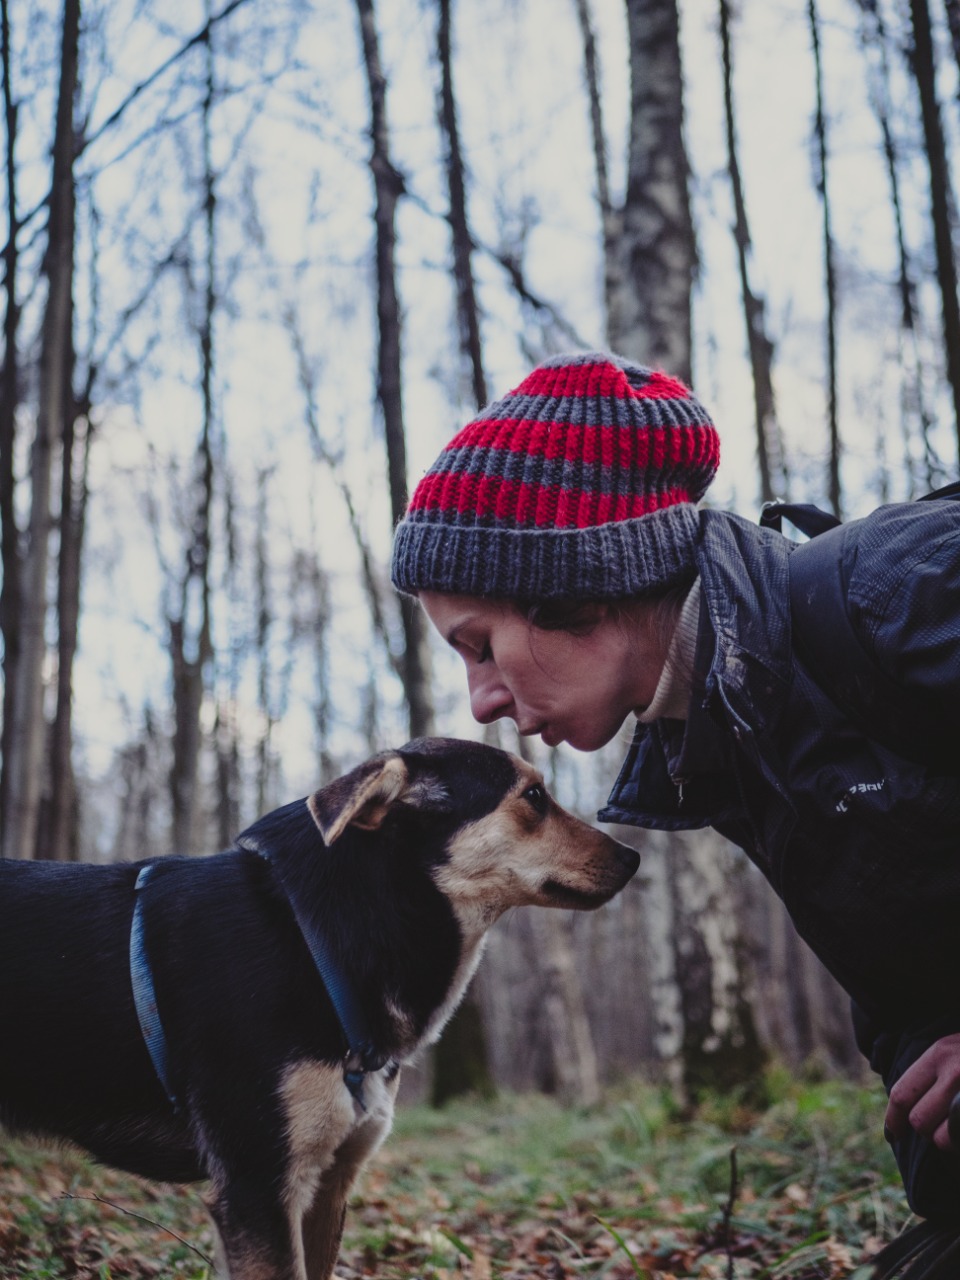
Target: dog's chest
point(325, 1127)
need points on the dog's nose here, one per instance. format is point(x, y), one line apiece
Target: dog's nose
point(629, 858)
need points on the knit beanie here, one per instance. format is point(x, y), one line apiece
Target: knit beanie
point(579, 484)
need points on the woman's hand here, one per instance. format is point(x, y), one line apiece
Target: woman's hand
point(922, 1096)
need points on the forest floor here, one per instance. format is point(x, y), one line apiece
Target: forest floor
point(802, 1189)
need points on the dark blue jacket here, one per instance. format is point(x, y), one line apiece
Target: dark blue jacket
point(862, 845)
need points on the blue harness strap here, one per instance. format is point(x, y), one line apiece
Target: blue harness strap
point(144, 992)
point(362, 1054)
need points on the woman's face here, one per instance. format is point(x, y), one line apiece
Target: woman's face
point(568, 688)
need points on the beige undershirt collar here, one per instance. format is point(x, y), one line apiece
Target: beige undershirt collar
point(672, 696)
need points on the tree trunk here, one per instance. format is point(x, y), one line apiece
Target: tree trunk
point(228, 777)
point(10, 567)
point(830, 280)
point(191, 655)
point(914, 402)
point(952, 8)
point(264, 627)
point(62, 843)
point(26, 741)
point(721, 1048)
point(464, 1069)
point(591, 71)
point(388, 187)
point(701, 1026)
point(941, 196)
point(571, 1041)
point(649, 243)
point(759, 346)
point(461, 1062)
point(467, 314)
point(660, 914)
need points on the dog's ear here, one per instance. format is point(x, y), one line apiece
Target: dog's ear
point(361, 798)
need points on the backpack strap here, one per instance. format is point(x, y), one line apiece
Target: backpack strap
point(806, 517)
point(826, 642)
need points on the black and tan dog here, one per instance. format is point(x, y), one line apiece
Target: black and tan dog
point(242, 1017)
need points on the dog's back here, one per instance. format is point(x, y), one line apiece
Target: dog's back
point(71, 1036)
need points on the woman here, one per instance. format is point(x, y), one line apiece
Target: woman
point(557, 546)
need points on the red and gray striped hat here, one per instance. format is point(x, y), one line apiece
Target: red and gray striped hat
point(579, 484)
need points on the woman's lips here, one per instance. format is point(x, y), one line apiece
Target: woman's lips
point(550, 736)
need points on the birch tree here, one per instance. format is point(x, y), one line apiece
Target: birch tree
point(649, 246)
point(703, 1026)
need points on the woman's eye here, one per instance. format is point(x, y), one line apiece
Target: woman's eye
point(485, 653)
point(537, 796)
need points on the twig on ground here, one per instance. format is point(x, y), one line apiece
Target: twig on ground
point(67, 1195)
point(728, 1212)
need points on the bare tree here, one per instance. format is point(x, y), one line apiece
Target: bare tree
point(875, 40)
point(61, 841)
point(759, 346)
point(830, 275)
point(697, 965)
point(952, 8)
point(461, 1062)
point(573, 1052)
point(941, 193)
point(190, 630)
point(9, 399)
point(591, 69)
point(388, 188)
point(468, 316)
point(26, 740)
point(650, 250)
point(264, 613)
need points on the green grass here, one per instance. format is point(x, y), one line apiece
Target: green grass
point(520, 1187)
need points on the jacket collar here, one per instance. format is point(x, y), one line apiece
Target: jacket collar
point(677, 773)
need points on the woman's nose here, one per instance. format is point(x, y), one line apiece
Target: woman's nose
point(489, 697)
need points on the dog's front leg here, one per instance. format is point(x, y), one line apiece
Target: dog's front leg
point(322, 1226)
point(322, 1223)
point(255, 1238)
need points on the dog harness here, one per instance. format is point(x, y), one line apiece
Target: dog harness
point(144, 992)
point(362, 1056)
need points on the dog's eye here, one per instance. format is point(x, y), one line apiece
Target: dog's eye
point(537, 796)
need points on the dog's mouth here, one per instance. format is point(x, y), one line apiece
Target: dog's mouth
point(563, 895)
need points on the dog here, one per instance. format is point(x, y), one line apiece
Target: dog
point(242, 1018)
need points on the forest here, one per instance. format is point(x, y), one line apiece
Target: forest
point(262, 259)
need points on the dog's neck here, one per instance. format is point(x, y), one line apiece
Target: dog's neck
point(465, 970)
point(395, 941)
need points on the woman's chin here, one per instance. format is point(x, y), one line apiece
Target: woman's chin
point(585, 740)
